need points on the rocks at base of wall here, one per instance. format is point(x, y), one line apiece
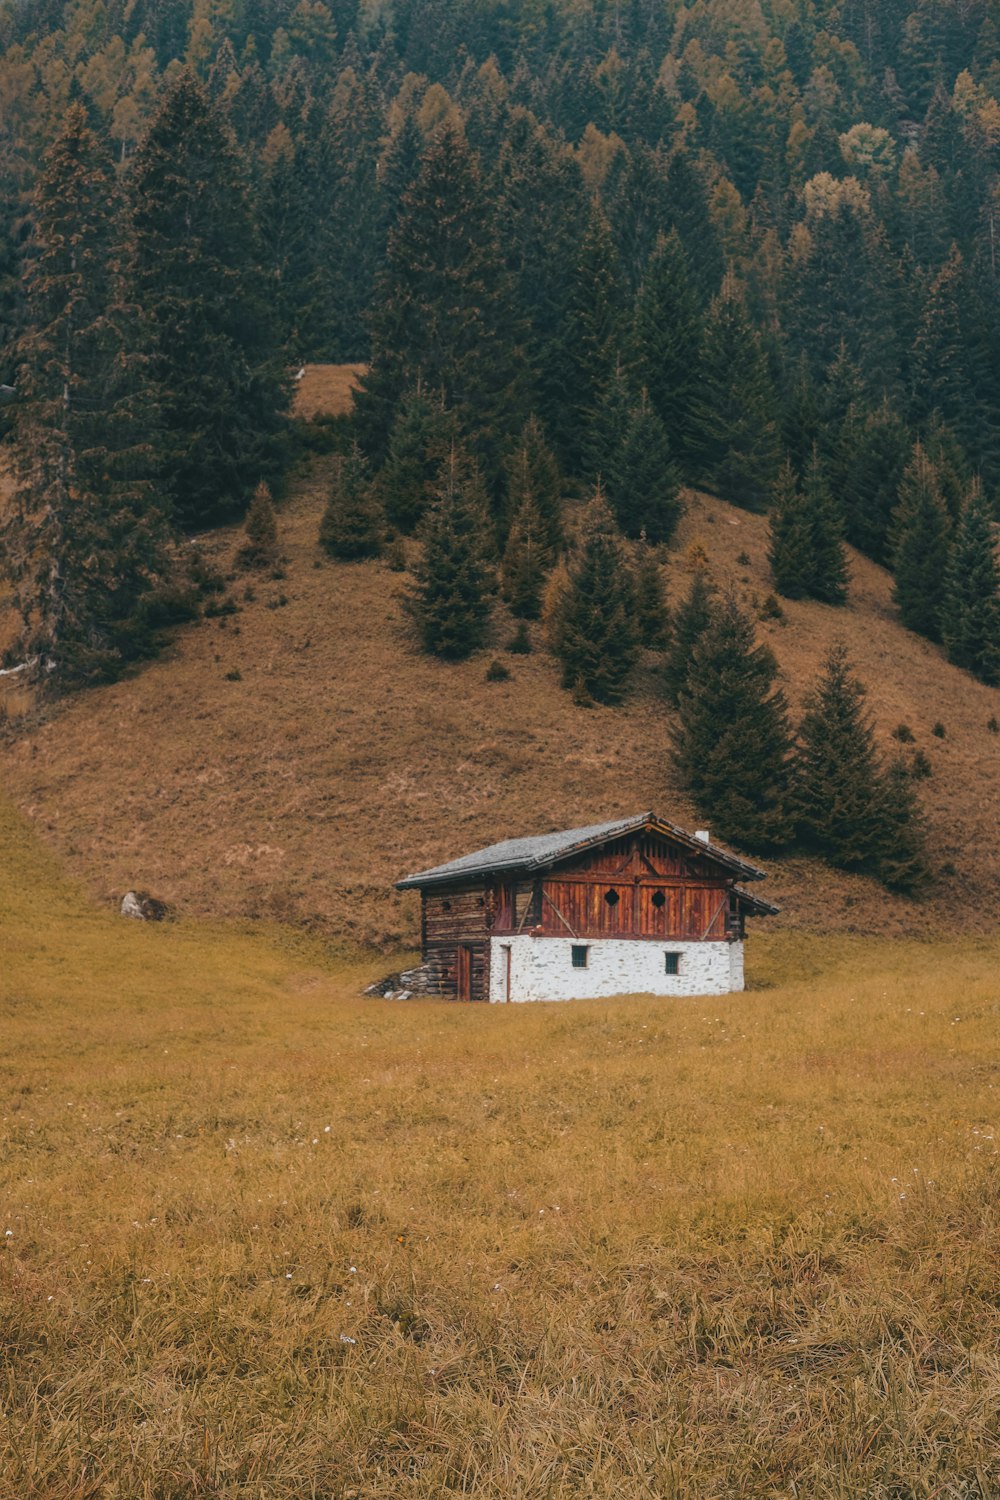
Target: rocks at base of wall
point(419, 981)
point(143, 907)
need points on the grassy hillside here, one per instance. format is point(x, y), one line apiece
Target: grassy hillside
point(260, 1237)
point(293, 759)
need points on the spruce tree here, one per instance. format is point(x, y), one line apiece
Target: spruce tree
point(643, 483)
point(837, 791)
point(526, 560)
point(596, 328)
point(652, 617)
point(790, 549)
point(731, 736)
point(666, 343)
point(452, 598)
point(921, 538)
point(260, 550)
point(828, 580)
point(216, 368)
point(607, 427)
point(902, 862)
point(735, 426)
point(351, 527)
point(872, 474)
point(531, 470)
point(420, 438)
point(691, 619)
point(594, 632)
point(85, 543)
point(444, 310)
point(970, 610)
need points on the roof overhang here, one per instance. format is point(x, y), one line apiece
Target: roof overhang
point(531, 855)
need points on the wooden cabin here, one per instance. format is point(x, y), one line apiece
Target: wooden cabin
point(632, 906)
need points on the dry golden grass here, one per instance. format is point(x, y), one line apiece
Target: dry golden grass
point(343, 758)
point(326, 390)
point(264, 1239)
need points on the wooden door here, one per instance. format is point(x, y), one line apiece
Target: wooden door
point(465, 953)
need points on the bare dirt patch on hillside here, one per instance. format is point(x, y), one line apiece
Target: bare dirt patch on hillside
point(295, 758)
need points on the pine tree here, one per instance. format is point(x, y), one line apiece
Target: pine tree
point(260, 550)
point(422, 434)
point(736, 431)
point(666, 343)
point(531, 469)
point(526, 560)
point(642, 483)
point(452, 599)
point(731, 736)
point(596, 329)
point(970, 611)
point(691, 619)
point(217, 370)
point(652, 617)
point(790, 549)
point(607, 427)
point(902, 855)
point(593, 632)
point(85, 542)
point(828, 581)
point(444, 310)
point(837, 796)
point(921, 538)
point(873, 472)
point(351, 527)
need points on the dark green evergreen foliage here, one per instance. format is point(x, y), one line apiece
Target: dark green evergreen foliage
point(260, 550)
point(921, 542)
point(526, 560)
point(351, 527)
point(597, 330)
point(970, 611)
point(215, 366)
point(594, 630)
point(652, 617)
point(542, 209)
point(880, 449)
point(452, 599)
point(838, 794)
point(842, 409)
point(666, 342)
point(444, 310)
point(607, 428)
point(352, 243)
point(902, 857)
point(790, 549)
point(828, 575)
point(691, 619)
point(731, 736)
point(85, 543)
point(642, 481)
point(735, 414)
point(846, 806)
point(950, 461)
point(422, 434)
point(943, 355)
point(532, 473)
point(689, 215)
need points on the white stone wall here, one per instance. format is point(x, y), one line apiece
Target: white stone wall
point(541, 968)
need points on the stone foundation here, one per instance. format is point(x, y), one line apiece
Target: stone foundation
point(541, 968)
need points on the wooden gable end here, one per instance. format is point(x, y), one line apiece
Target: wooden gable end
point(643, 885)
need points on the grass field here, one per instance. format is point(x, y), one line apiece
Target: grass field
point(262, 1238)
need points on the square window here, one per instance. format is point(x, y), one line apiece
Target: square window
point(673, 964)
point(579, 955)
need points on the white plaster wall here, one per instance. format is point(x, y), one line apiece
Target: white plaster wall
point(542, 969)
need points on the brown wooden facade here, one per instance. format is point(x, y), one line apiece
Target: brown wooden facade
point(641, 885)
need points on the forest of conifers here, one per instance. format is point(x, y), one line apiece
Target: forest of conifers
point(751, 247)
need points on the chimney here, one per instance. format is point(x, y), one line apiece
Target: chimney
point(702, 835)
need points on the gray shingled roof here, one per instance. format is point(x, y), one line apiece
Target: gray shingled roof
point(546, 848)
